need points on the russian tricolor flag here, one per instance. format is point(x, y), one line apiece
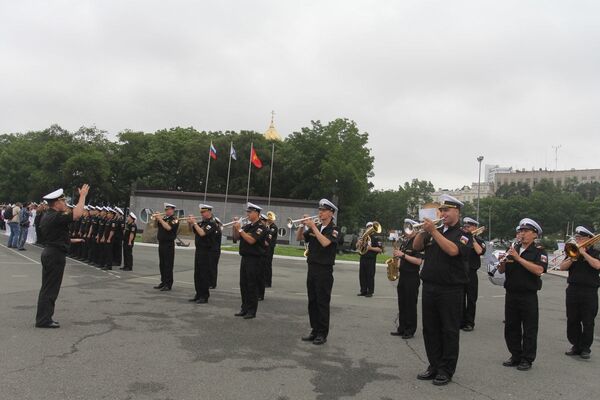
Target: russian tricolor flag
point(212, 152)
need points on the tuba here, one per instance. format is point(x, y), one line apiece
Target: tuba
point(366, 237)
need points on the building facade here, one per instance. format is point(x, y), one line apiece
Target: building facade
point(467, 193)
point(531, 178)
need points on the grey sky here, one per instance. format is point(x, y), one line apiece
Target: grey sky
point(435, 83)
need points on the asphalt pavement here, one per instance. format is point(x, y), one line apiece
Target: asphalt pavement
point(122, 339)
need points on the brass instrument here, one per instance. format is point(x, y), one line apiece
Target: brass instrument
point(478, 231)
point(305, 249)
point(296, 223)
point(409, 227)
point(393, 263)
point(271, 216)
point(242, 221)
point(366, 238)
point(572, 248)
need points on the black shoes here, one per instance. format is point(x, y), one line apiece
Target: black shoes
point(319, 340)
point(194, 299)
point(106, 268)
point(511, 362)
point(408, 335)
point(585, 354)
point(201, 301)
point(361, 294)
point(249, 316)
point(427, 375)
point(213, 287)
point(51, 325)
point(441, 380)
point(159, 286)
point(468, 328)
point(125, 269)
point(396, 333)
point(242, 313)
point(309, 338)
point(369, 295)
point(573, 352)
point(165, 288)
point(524, 365)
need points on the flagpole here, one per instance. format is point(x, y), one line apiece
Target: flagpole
point(227, 186)
point(249, 170)
point(207, 171)
point(271, 173)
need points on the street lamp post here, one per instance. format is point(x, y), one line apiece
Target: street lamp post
point(480, 159)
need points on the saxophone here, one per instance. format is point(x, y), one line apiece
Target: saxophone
point(393, 264)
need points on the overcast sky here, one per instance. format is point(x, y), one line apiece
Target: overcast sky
point(434, 83)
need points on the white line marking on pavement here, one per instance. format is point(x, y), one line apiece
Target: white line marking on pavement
point(499, 296)
point(15, 262)
point(22, 255)
point(19, 276)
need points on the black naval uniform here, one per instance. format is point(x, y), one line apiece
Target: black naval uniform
point(250, 268)
point(36, 224)
point(93, 232)
point(54, 229)
point(273, 233)
point(319, 280)
point(521, 312)
point(166, 250)
point(444, 278)
point(107, 246)
point(214, 256)
point(582, 302)
point(204, 245)
point(262, 279)
point(408, 291)
point(99, 252)
point(117, 242)
point(366, 269)
point(127, 249)
point(472, 288)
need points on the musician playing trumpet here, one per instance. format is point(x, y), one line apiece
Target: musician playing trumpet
point(322, 244)
point(582, 294)
point(408, 285)
point(444, 276)
point(523, 267)
point(366, 269)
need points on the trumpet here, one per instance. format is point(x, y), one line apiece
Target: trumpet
point(410, 228)
point(242, 221)
point(296, 223)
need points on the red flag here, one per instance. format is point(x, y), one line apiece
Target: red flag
point(254, 158)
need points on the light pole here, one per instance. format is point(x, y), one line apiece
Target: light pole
point(480, 159)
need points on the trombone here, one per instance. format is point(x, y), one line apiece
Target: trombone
point(478, 231)
point(572, 248)
point(410, 228)
point(296, 223)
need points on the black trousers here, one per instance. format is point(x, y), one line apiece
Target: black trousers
point(366, 275)
point(470, 299)
point(166, 259)
point(250, 275)
point(521, 324)
point(92, 250)
point(582, 308)
point(319, 282)
point(269, 269)
point(214, 267)
point(53, 267)
point(408, 293)
point(202, 273)
point(442, 314)
point(127, 256)
point(107, 249)
point(117, 251)
point(262, 277)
